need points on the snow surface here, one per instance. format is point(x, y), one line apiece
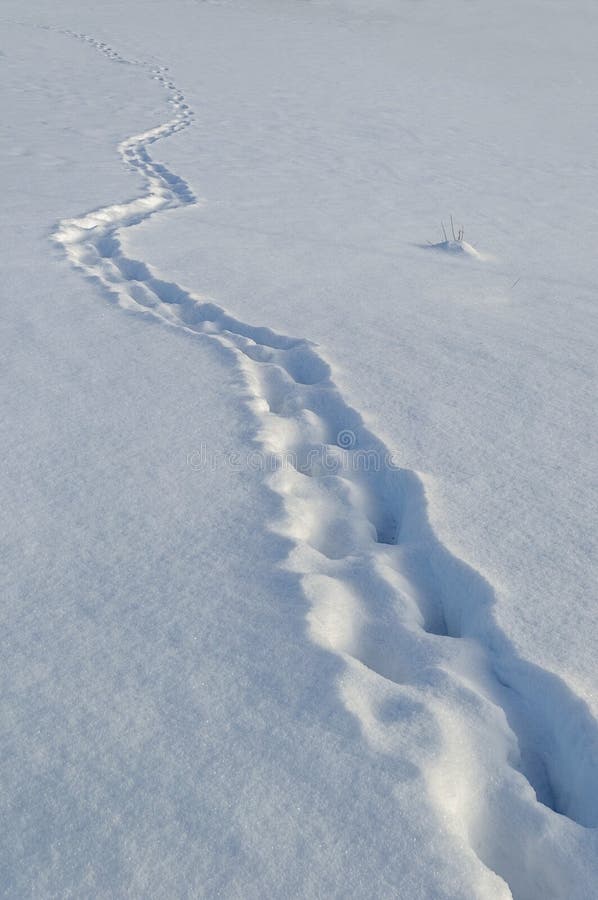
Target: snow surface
point(299, 581)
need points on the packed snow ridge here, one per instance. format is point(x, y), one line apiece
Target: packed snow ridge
point(385, 595)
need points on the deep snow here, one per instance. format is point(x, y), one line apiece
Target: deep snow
point(174, 704)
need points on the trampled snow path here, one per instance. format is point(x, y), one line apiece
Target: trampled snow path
point(518, 778)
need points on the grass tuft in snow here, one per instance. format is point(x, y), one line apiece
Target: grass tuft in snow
point(454, 244)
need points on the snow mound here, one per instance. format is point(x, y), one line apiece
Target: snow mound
point(457, 248)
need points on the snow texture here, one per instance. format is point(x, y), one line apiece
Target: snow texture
point(253, 648)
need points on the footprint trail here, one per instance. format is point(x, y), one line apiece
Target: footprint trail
point(516, 777)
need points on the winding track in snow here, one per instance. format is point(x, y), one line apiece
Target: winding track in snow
point(385, 595)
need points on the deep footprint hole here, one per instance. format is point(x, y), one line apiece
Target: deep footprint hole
point(133, 269)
